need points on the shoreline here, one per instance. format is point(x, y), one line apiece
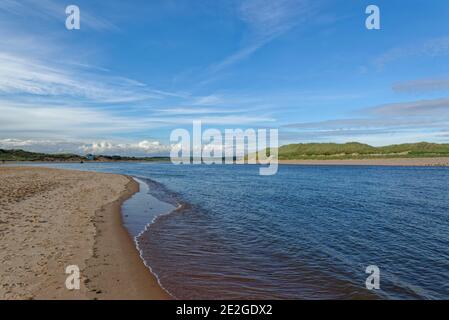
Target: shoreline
point(53, 218)
point(401, 162)
point(112, 239)
point(143, 188)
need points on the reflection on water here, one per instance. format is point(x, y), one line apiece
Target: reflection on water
point(142, 208)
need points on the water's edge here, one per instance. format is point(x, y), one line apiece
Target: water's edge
point(135, 206)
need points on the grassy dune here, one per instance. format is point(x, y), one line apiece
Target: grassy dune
point(355, 150)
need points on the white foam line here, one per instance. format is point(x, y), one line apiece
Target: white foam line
point(136, 242)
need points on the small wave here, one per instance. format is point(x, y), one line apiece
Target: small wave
point(180, 206)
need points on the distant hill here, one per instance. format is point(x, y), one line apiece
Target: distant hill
point(355, 150)
point(21, 155)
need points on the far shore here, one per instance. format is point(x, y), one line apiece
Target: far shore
point(52, 218)
point(80, 162)
point(412, 162)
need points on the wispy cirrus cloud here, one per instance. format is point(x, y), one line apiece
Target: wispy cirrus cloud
point(27, 75)
point(432, 107)
point(431, 48)
point(421, 86)
point(412, 121)
point(364, 124)
point(64, 121)
point(53, 10)
point(38, 62)
point(193, 111)
point(266, 20)
point(43, 96)
point(209, 100)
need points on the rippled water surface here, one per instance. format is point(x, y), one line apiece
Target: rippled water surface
point(308, 232)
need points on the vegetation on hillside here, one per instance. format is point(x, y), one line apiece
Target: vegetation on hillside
point(21, 155)
point(355, 150)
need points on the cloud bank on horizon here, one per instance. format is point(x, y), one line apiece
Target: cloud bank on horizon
point(134, 72)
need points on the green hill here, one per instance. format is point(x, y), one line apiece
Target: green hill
point(355, 150)
point(21, 155)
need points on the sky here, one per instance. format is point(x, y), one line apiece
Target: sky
point(136, 70)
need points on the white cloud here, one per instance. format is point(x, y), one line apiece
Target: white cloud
point(139, 148)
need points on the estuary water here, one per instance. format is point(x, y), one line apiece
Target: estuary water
point(308, 232)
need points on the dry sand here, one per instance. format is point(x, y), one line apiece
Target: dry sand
point(50, 219)
point(419, 162)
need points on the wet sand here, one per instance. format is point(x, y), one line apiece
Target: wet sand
point(419, 162)
point(50, 219)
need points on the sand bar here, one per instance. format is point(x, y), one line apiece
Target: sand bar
point(52, 218)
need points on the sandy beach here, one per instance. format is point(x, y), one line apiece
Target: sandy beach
point(418, 162)
point(50, 219)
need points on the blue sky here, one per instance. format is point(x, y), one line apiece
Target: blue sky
point(136, 70)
